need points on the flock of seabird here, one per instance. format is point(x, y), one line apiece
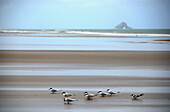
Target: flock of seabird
point(89, 96)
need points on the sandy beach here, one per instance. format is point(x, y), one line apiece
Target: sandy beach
point(35, 96)
point(25, 79)
point(110, 55)
point(27, 73)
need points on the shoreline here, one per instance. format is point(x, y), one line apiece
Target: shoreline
point(77, 35)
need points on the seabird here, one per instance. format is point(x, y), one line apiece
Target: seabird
point(89, 96)
point(111, 92)
point(68, 100)
point(103, 94)
point(67, 94)
point(53, 90)
point(135, 96)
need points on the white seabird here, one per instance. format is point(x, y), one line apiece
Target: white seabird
point(89, 96)
point(69, 99)
point(67, 94)
point(136, 96)
point(111, 92)
point(103, 94)
point(53, 90)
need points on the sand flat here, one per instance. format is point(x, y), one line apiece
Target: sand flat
point(27, 90)
point(117, 58)
point(26, 75)
point(44, 101)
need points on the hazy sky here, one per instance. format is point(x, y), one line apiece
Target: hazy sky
point(84, 14)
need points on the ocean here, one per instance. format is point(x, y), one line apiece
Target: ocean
point(130, 31)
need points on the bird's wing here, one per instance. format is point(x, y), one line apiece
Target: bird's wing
point(141, 94)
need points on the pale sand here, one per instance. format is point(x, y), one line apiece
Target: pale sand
point(13, 97)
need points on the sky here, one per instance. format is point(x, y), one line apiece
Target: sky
point(84, 14)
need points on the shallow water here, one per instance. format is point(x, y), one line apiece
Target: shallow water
point(84, 43)
point(135, 72)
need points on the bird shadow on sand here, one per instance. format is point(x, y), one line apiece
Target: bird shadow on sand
point(88, 99)
point(137, 100)
point(54, 93)
point(68, 104)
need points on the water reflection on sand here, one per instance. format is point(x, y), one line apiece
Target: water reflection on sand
point(77, 64)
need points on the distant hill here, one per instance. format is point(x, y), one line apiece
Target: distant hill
point(122, 25)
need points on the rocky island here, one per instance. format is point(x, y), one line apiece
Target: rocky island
point(122, 25)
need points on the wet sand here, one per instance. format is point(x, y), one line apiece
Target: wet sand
point(112, 58)
point(32, 63)
point(26, 76)
point(44, 101)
